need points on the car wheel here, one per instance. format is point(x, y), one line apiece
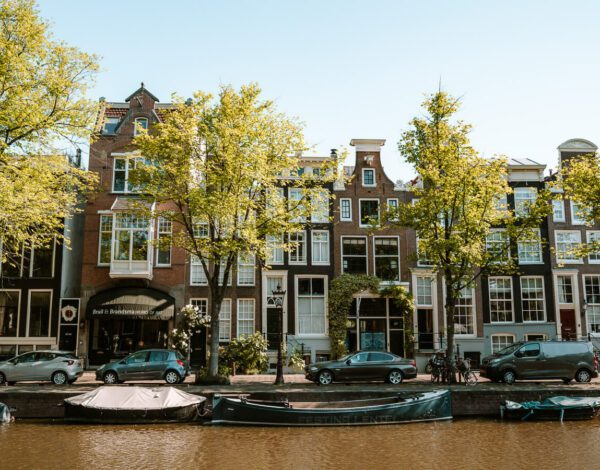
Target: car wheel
point(325, 377)
point(172, 377)
point(59, 378)
point(2, 378)
point(509, 377)
point(110, 378)
point(583, 376)
point(395, 377)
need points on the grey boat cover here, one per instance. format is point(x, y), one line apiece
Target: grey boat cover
point(4, 414)
point(135, 398)
point(556, 403)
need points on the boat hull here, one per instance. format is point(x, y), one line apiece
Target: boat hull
point(431, 406)
point(82, 414)
point(552, 409)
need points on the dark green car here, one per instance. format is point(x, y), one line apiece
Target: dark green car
point(363, 366)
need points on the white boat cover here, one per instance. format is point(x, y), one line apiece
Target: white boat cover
point(135, 398)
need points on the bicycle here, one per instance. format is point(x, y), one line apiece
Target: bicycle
point(464, 371)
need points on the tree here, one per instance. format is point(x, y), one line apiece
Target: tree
point(460, 198)
point(215, 170)
point(42, 102)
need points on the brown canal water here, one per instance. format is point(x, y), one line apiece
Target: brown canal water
point(459, 444)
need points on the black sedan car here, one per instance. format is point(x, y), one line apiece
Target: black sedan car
point(363, 365)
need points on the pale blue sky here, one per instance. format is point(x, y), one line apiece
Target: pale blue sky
point(528, 71)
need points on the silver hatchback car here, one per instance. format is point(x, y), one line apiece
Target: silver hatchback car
point(58, 367)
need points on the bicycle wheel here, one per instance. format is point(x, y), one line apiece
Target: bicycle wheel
point(470, 378)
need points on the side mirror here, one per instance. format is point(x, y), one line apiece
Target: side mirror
point(518, 354)
point(348, 362)
point(123, 362)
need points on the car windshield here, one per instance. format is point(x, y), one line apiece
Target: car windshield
point(509, 349)
point(346, 357)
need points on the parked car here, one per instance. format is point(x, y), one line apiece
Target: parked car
point(59, 367)
point(363, 365)
point(148, 364)
point(566, 360)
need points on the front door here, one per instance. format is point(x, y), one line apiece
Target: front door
point(372, 334)
point(567, 325)
point(425, 326)
point(273, 330)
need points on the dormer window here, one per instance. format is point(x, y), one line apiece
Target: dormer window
point(110, 125)
point(140, 123)
point(368, 177)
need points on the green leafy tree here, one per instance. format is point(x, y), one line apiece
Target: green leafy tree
point(215, 170)
point(42, 102)
point(248, 354)
point(460, 198)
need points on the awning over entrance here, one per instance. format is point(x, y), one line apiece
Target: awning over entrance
point(132, 303)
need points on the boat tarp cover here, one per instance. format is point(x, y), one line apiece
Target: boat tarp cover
point(556, 403)
point(135, 398)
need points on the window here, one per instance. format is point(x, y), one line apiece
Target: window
point(296, 204)
point(593, 241)
point(131, 238)
point(579, 214)
point(274, 200)
point(535, 337)
point(140, 123)
point(298, 251)
point(346, 210)
point(320, 247)
point(274, 249)
point(225, 321)
point(501, 341)
point(530, 251)
point(42, 261)
point(311, 305)
point(369, 211)
point(558, 210)
point(592, 297)
point(501, 308)
point(530, 350)
point(245, 317)
point(501, 202)
point(566, 244)
point(424, 291)
point(392, 205)
point(122, 167)
point(320, 207)
point(565, 289)
point(200, 229)
point(13, 260)
point(164, 235)
point(202, 305)
point(524, 197)
point(222, 269)
point(368, 175)
point(38, 320)
point(532, 299)
point(498, 246)
point(422, 259)
point(464, 313)
point(106, 225)
point(197, 274)
point(354, 255)
point(245, 275)
point(110, 125)
point(9, 312)
point(387, 266)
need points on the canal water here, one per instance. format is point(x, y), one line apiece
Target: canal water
point(476, 444)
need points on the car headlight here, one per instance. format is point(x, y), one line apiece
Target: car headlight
point(313, 369)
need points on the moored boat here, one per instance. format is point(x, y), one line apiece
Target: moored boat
point(555, 408)
point(429, 406)
point(134, 405)
point(5, 416)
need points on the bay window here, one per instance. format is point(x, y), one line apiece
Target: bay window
point(131, 238)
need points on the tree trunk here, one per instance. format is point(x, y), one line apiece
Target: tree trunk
point(450, 305)
point(213, 364)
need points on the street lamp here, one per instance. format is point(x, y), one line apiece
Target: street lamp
point(584, 307)
point(278, 296)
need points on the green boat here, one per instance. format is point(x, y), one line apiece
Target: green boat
point(554, 408)
point(428, 406)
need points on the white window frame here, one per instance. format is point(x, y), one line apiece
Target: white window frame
point(588, 238)
point(354, 256)
point(559, 286)
point(593, 308)
point(194, 301)
point(135, 127)
point(325, 303)
point(225, 322)
point(135, 159)
point(342, 201)
point(430, 280)
point(295, 203)
point(498, 335)
point(163, 233)
point(360, 211)
point(558, 252)
point(543, 298)
point(560, 205)
point(112, 120)
point(240, 319)
point(31, 262)
point(520, 209)
point(366, 185)
point(422, 262)
point(319, 212)
point(29, 313)
point(222, 267)
point(512, 301)
point(18, 319)
point(299, 261)
point(326, 244)
point(575, 219)
point(100, 232)
point(198, 263)
point(531, 242)
point(397, 238)
point(506, 240)
point(472, 313)
point(250, 263)
point(131, 230)
point(278, 259)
